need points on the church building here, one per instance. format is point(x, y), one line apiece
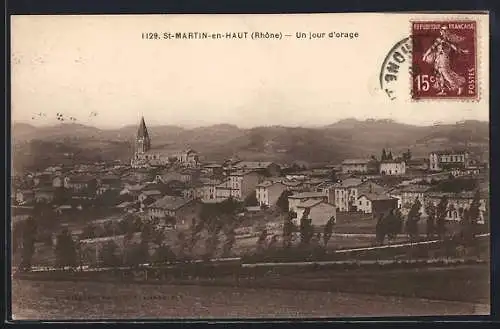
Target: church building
point(146, 156)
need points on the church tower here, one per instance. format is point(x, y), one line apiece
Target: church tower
point(142, 142)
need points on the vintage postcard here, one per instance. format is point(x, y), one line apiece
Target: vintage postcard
point(250, 166)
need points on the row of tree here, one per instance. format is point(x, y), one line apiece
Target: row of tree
point(305, 230)
point(218, 223)
point(392, 224)
point(388, 155)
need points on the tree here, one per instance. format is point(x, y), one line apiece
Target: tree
point(28, 243)
point(455, 185)
point(158, 237)
point(389, 156)
point(147, 234)
point(261, 242)
point(273, 242)
point(181, 240)
point(306, 229)
point(282, 201)
point(413, 219)
point(328, 230)
point(333, 176)
point(407, 155)
point(84, 254)
point(251, 200)
point(398, 226)
point(195, 234)
point(471, 217)
point(127, 238)
point(384, 155)
point(380, 230)
point(137, 253)
point(17, 236)
point(108, 255)
point(430, 209)
point(211, 243)
point(138, 224)
point(109, 228)
point(211, 214)
point(288, 230)
point(393, 223)
point(128, 224)
point(441, 210)
point(461, 212)
point(65, 250)
point(229, 241)
point(45, 215)
point(164, 254)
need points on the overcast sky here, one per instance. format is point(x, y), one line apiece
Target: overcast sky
point(77, 65)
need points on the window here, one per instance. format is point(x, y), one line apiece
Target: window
point(367, 203)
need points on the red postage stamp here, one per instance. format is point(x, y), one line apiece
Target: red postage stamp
point(444, 64)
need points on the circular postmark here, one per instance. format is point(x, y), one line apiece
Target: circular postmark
point(395, 73)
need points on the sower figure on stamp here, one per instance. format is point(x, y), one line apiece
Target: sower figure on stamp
point(439, 54)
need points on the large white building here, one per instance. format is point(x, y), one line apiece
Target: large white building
point(442, 160)
point(355, 166)
point(392, 167)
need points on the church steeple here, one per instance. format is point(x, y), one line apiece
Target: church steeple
point(143, 142)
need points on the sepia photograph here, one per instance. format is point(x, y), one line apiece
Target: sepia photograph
point(249, 166)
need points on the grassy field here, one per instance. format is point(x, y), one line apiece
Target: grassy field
point(62, 300)
point(465, 283)
point(470, 283)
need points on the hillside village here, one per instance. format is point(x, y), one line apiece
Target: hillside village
point(181, 205)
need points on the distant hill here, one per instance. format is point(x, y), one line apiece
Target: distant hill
point(330, 143)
